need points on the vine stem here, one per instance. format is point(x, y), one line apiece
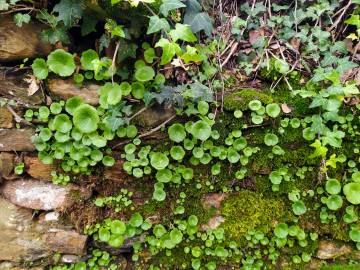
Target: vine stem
point(148, 132)
point(138, 112)
point(113, 61)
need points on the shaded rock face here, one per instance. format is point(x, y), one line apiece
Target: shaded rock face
point(17, 43)
point(16, 140)
point(6, 164)
point(35, 194)
point(6, 118)
point(330, 250)
point(23, 239)
point(36, 169)
point(14, 87)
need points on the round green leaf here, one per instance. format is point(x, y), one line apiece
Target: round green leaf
point(61, 62)
point(86, 59)
point(144, 74)
point(352, 192)
point(281, 230)
point(40, 69)
point(271, 139)
point(159, 160)
point(255, 105)
point(201, 130)
point(177, 132)
point(72, 104)
point(177, 152)
point(334, 202)
point(273, 110)
point(86, 118)
point(333, 186)
point(62, 123)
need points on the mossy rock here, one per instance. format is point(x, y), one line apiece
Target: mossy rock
point(239, 100)
point(249, 210)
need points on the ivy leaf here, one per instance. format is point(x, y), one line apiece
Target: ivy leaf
point(20, 18)
point(199, 21)
point(198, 91)
point(69, 11)
point(4, 5)
point(104, 42)
point(344, 64)
point(354, 20)
point(169, 50)
point(182, 32)
point(333, 138)
point(170, 95)
point(88, 25)
point(116, 118)
point(54, 35)
point(168, 5)
point(320, 151)
point(128, 50)
point(118, 31)
point(156, 24)
point(191, 55)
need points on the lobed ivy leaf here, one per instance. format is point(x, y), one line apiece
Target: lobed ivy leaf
point(20, 18)
point(170, 49)
point(69, 11)
point(4, 5)
point(156, 24)
point(199, 21)
point(182, 32)
point(168, 5)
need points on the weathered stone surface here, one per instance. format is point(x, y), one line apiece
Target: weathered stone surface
point(17, 43)
point(330, 250)
point(6, 164)
point(66, 89)
point(116, 172)
point(6, 118)
point(41, 195)
point(16, 140)
point(23, 239)
point(37, 169)
point(14, 87)
point(69, 242)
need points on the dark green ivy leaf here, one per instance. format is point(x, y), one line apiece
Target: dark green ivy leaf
point(156, 24)
point(88, 25)
point(168, 5)
point(53, 35)
point(199, 21)
point(69, 11)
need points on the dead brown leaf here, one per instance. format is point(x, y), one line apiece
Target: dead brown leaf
point(254, 35)
point(285, 108)
point(33, 85)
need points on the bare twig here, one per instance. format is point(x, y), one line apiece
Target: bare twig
point(338, 20)
point(18, 118)
point(148, 132)
point(138, 112)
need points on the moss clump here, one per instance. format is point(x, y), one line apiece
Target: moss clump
point(239, 100)
point(248, 210)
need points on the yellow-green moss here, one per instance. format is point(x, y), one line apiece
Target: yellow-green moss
point(248, 210)
point(239, 100)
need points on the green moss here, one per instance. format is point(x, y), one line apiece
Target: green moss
point(248, 210)
point(239, 100)
point(341, 267)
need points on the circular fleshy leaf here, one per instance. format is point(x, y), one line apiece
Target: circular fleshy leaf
point(86, 118)
point(61, 63)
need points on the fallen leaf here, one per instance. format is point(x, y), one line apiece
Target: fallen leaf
point(295, 43)
point(33, 85)
point(254, 35)
point(285, 108)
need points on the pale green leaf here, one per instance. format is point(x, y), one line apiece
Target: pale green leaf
point(169, 5)
point(156, 24)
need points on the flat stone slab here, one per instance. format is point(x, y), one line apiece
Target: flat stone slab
point(40, 195)
point(16, 140)
point(66, 89)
